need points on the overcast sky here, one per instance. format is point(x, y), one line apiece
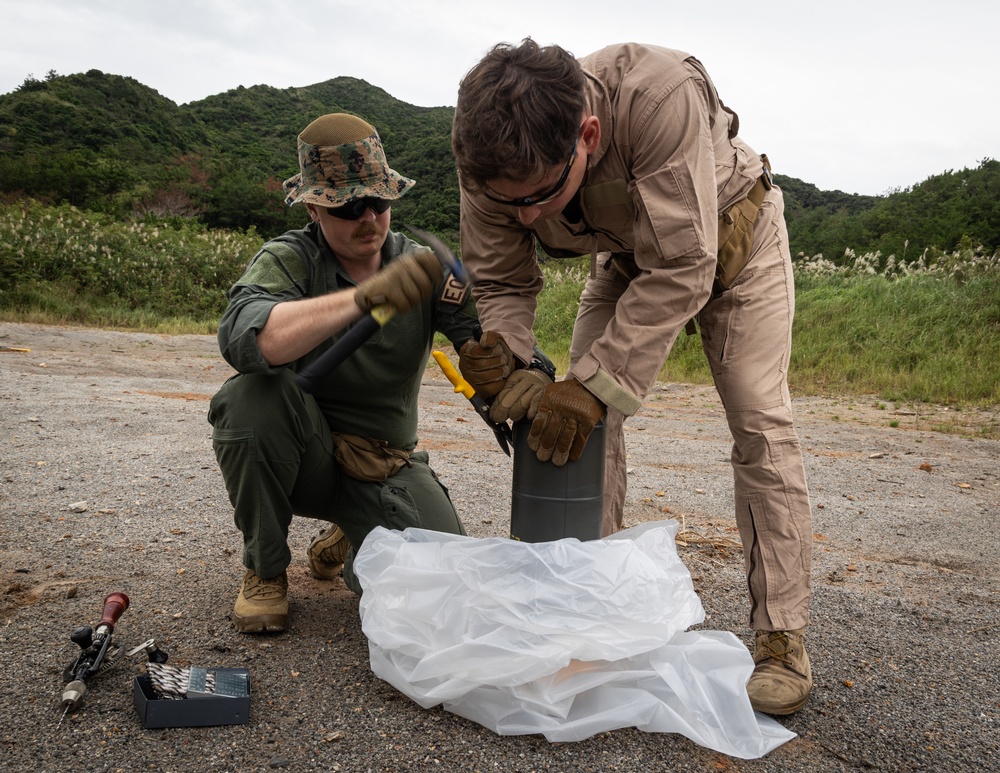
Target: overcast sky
point(863, 96)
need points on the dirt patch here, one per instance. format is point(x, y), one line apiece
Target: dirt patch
point(108, 482)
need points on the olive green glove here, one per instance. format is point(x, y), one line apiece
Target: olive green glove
point(486, 364)
point(405, 283)
point(520, 396)
point(566, 415)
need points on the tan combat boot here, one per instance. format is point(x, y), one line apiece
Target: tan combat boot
point(327, 552)
point(781, 678)
point(262, 604)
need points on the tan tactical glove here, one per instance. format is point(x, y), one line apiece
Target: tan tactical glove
point(520, 396)
point(566, 415)
point(406, 282)
point(486, 364)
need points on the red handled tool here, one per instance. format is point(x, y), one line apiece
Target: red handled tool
point(98, 653)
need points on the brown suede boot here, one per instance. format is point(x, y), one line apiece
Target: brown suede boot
point(327, 552)
point(781, 679)
point(262, 604)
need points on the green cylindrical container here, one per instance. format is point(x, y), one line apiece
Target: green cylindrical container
point(549, 502)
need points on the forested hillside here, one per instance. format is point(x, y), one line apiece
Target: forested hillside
point(943, 213)
point(108, 143)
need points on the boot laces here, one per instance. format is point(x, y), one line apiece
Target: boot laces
point(256, 588)
point(778, 645)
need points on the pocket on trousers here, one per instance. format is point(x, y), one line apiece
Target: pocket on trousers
point(237, 435)
point(780, 443)
point(236, 454)
point(398, 506)
point(232, 446)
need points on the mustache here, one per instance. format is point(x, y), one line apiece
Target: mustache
point(367, 229)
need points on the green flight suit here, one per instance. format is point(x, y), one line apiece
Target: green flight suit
point(273, 440)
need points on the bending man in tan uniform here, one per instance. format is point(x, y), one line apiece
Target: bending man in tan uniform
point(629, 155)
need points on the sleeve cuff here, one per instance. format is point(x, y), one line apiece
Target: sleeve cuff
point(611, 393)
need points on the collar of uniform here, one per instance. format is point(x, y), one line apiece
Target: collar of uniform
point(599, 104)
point(329, 259)
point(392, 249)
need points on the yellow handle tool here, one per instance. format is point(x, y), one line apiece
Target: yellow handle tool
point(460, 384)
point(503, 432)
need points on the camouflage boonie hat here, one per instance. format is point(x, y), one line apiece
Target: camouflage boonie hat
point(341, 159)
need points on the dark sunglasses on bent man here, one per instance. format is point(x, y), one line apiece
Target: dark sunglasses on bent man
point(540, 198)
point(355, 209)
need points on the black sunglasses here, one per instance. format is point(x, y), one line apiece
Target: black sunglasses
point(527, 201)
point(355, 209)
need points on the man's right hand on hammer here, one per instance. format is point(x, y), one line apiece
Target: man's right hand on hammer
point(403, 284)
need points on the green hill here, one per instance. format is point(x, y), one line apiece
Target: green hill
point(98, 112)
point(108, 143)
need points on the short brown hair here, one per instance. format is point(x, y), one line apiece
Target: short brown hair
point(518, 113)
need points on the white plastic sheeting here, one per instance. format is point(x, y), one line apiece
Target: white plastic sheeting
point(563, 638)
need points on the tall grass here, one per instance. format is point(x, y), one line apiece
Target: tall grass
point(59, 264)
point(915, 338)
point(557, 305)
point(927, 330)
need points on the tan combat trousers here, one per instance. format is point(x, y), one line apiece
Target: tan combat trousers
point(746, 336)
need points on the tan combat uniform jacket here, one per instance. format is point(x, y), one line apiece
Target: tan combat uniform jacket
point(668, 162)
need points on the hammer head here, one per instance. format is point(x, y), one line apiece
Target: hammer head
point(440, 249)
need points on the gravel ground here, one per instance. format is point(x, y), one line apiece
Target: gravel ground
point(906, 608)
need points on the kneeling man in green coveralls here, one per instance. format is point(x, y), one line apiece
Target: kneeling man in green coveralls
point(344, 454)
